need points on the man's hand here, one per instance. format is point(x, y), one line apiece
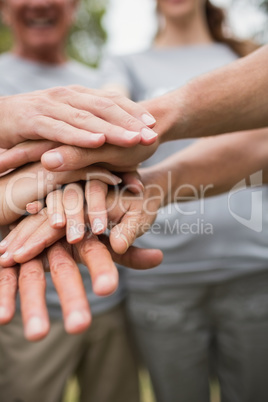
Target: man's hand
point(57, 157)
point(61, 258)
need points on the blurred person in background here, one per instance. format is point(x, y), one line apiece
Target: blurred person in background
point(101, 357)
point(208, 299)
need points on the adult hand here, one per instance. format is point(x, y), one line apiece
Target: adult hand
point(62, 258)
point(57, 157)
point(75, 116)
point(130, 214)
point(33, 182)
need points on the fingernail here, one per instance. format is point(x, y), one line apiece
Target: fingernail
point(34, 327)
point(5, 255)
point(32, 207)
point(140, 185)
point(148, 134)
point(76, 318)
point(131, 134)
point(56, 219)
point(3, 243)
point(98, 136)
point(53, 159)
point(98, 226)
point(74, 234)
point(3, 312)
point(148, 119)
point(103, 283)
point(19, 251)
point(117, 179)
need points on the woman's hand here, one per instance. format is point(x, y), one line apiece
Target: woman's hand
point(76, 116)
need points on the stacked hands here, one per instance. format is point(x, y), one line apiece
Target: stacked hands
point(56, 130)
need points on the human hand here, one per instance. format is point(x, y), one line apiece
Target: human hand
point(131, 215)
point(76, 116)
point(58, 157)
point(61, 258)
point(33, 182)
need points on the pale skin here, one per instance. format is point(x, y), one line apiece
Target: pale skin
point(169, 126)
point(216, 163)
point(219, 102)
point(26, 183)
point(74, 116)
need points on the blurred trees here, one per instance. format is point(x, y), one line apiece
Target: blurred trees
point(257, 30)
point(86, 38)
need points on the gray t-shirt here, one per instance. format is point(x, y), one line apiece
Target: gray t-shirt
point(18, 75)
point(202, 241)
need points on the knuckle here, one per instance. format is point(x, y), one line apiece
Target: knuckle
point(81, 115)
point(131, 123)
point(76, 87)
point(71, 193)
point(59, 92)
point(8, 279)
point(60, 268)
point(32, 274)
point(114, 95)
point(103, 103)
point(59, 128)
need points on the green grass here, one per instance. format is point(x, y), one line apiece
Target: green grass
point(72, 390)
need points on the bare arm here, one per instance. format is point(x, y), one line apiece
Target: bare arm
point(230, 99)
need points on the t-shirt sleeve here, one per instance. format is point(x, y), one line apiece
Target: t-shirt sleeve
point(115, 73)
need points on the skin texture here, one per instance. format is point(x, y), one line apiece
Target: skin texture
point(75, 116)
point(185, 113)
point(62, 261)
point(199, 165)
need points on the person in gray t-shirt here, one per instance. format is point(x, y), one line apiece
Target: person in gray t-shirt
point(211, 288)
point(38, 61)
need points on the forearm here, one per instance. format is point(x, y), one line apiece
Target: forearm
point(213, 165)
point(229, 99)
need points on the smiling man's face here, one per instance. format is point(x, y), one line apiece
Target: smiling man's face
point(39, 25)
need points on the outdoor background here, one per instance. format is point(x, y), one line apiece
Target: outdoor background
point(125, 26)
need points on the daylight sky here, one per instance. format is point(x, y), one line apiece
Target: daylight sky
point(133, 34)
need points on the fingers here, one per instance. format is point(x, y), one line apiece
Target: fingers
point(55, 209)
point(60, 131)
point(8, 292)
point(136, 110)
point(32, 284)
point(96, 257)
point(18, 236)
point(30, 238)
point(73, 204)
point(134, 257)
point(95, 194)
point(25, 152)
point(132, 182)
point(72, 158)
point(34, 207)
point(118, 110)
point(123, 235)
point(68, 283)
point(92, 119)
